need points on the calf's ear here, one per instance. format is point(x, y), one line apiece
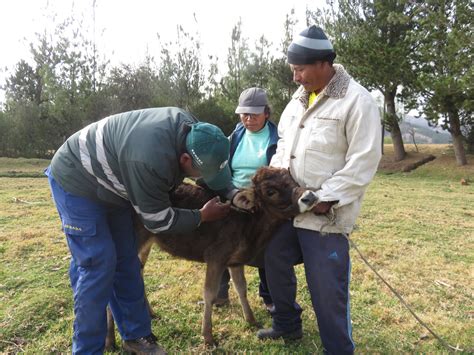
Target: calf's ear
point(244, 199)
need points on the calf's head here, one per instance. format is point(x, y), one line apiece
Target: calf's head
point(275, 192)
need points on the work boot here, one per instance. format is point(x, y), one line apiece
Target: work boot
point(141, 346)
point(271, 333)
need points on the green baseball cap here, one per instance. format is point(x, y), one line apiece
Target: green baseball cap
point(209, 149)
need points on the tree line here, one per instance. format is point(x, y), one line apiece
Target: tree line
point(416, 54)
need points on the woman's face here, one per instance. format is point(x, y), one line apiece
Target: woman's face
point(252, 121)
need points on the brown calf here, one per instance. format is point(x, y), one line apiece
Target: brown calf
point(233, 241)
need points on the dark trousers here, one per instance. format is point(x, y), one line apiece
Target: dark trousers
point(262, 288)
point(104, 269)
point(327, 268)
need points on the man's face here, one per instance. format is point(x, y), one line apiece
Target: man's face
point(311, 76)
point(187, 166)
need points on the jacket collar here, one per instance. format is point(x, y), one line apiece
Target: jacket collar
point(336, 88)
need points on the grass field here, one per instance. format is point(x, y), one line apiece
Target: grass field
point(416, 228)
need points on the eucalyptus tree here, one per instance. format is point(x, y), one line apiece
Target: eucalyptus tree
point(446, 37)
point(374, 40)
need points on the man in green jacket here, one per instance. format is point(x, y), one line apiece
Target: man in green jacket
point(128, 161)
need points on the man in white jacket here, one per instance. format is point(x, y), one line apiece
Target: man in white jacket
point(330, 137)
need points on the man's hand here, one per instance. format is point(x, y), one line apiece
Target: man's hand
point(214, 210)
point(323, 207)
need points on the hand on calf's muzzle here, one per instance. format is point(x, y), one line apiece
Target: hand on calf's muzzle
point(323, 207)
point(307, 201)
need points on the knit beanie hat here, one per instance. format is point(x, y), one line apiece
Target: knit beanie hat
point(309, 46)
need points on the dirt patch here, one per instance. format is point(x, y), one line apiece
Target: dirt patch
point(412, 161)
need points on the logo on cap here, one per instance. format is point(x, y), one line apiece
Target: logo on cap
point(222, 166)
point(209, 149)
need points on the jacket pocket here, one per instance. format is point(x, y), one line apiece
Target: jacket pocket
point(324, 134)
point(79, 227)
point(317, 167)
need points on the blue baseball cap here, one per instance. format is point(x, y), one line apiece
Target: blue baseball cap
point(209, 149)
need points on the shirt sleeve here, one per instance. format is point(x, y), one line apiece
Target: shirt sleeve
point(363, 132)
point(148, 192)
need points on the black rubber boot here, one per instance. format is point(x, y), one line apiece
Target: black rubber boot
point(271, 333)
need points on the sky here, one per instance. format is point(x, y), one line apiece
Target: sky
point(127, 30)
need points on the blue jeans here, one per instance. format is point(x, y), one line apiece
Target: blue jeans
point(104, 269)
point(327, 268)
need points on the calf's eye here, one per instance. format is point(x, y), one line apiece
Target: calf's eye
point(271, 192)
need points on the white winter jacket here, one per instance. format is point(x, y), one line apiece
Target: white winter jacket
point(333, 146)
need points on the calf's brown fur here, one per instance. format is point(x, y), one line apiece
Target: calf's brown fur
point(231, 242)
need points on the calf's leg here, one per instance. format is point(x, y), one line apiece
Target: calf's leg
point(211, 286)
point(110, 337)
point(240, 284)
point(144, 248)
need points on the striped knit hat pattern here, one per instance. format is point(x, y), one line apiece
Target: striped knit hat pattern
point(309, 46)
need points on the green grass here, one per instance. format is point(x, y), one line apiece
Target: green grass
point(22, 167)
point(416, 228)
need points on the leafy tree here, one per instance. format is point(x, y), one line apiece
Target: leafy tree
point(211, 84)
point(132, 88)
point(181, 76)
point(209, 110)
point(231, 84)
point(258, 67)
point(4, 135)
point(96, 101)
point(374, 41)
point(24, 84)
point(29, 136)
point(257, 71)
point(237, 61)
point(48, 100)
point(445, 35)
point(28, 99)
point(281, 85)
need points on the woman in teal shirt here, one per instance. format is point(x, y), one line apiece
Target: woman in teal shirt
point(252, 145)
